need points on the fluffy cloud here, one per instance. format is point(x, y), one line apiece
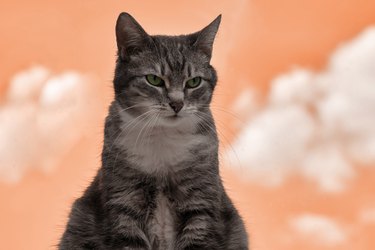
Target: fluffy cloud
point(315, 124)
point(42, 117)
point(319, 229)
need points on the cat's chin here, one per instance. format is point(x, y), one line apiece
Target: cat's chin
point(173, 117)
point(173, 120)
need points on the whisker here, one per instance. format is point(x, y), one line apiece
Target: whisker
point(207, 123)
point(134, 125)
point(132, 107)
point(140, 132)
point(222, 109)
point(151, 126)
point(130, 123)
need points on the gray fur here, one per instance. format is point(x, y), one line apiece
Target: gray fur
point(159, 185)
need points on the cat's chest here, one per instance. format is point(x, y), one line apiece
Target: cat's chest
point(160, 151)
point(162, 225)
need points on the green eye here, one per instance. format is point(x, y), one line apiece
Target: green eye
point(155, 80)
point(194, 82)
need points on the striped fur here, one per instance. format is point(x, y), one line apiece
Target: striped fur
point(159, 185)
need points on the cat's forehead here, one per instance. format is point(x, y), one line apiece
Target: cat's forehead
point(174, 54)
point(172, 43)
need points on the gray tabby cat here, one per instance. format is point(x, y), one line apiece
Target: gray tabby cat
point(159, 185)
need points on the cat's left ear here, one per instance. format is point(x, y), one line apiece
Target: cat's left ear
point(204, 39)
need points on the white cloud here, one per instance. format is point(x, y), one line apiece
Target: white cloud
point(246, 102)
point(318, 229)
point(326, 164)
point(42, 118)
point(273, 149)
point(245, 105)
point(34, 78)
point(315, 124)
point(294, 87)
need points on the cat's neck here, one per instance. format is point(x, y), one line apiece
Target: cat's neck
point(160, 149)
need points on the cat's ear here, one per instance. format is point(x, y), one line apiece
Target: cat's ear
point(203, 40)
point(130, 35)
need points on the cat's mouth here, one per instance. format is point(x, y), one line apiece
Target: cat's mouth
point(174, 116)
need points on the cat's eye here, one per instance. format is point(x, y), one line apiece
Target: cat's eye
point(194, 82)
point(154, 80)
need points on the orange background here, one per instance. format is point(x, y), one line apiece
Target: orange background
point(257, 41)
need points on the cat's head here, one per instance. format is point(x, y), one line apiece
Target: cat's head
point(167, 76)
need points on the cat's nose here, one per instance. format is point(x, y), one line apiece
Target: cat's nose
point(176, 106)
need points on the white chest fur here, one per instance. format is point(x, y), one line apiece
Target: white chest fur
point(157, 148)
point(162, 227)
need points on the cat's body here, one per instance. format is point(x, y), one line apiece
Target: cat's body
point(159, 185)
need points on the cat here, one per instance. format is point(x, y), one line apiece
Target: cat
point(159, 185)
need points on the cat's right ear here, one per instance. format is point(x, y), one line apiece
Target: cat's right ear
point(130, 35)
